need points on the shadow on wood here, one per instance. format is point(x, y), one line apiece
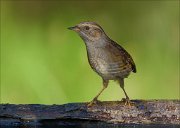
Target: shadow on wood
point(150, 113)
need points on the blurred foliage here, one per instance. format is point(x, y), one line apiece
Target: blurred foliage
point(43, 62)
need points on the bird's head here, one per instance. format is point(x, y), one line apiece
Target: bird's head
point(89, 31)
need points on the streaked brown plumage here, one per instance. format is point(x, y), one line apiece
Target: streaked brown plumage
point(106, 57)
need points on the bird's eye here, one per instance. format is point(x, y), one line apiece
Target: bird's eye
point(87, 27)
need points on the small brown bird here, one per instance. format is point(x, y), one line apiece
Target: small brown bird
point(107, 58)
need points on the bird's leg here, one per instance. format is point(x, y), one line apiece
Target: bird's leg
point(127, 101)
point(105, 84)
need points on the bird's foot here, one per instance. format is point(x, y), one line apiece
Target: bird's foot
point(127, 102)
point(94, 101)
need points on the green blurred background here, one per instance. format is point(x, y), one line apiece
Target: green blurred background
point(43, 62)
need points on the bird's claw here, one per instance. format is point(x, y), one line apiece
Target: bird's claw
point(94, 101)
point(127, 102)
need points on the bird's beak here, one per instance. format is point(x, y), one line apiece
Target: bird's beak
point(75, 28)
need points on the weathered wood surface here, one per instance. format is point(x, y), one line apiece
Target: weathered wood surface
point(148, 112)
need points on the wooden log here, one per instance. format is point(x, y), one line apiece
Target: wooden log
point(141, 112)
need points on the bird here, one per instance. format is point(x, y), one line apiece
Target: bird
point(106, 57)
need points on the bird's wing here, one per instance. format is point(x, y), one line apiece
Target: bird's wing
point(120, 58)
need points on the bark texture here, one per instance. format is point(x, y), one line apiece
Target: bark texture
point(146, 112)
